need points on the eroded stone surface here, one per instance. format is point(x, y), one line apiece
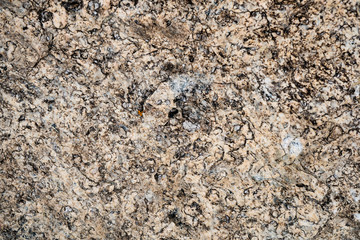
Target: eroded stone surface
point(179, 119)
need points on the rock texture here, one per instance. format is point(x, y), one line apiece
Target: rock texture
point(179, 119)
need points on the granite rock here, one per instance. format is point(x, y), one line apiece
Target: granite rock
point(179, 119)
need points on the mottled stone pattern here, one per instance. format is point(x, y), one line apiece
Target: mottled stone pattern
point(179, 119)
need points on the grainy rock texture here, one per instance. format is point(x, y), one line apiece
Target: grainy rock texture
point(179, 119)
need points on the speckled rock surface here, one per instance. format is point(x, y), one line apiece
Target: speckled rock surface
point(179, 119)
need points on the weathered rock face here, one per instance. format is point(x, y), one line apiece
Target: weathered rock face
point(179, 119)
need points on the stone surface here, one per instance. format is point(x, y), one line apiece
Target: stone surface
point(179, 119)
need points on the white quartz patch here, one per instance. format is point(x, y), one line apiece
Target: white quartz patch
point(184, 83)
point(292, 146)
point(181, 84)
point(191, 127)
point(355, 195)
